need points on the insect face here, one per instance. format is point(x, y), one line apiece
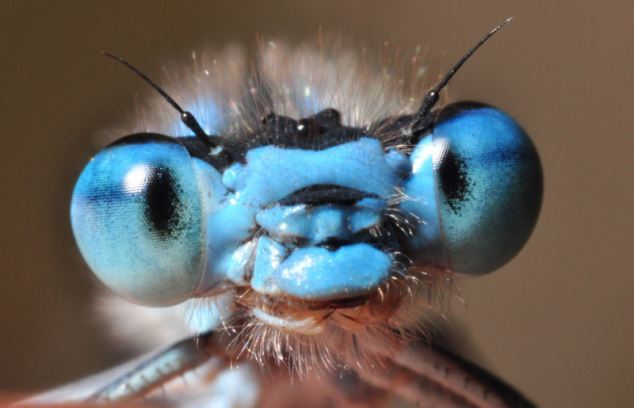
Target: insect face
point(305, 216)
point(312, 231)
point(320, 231)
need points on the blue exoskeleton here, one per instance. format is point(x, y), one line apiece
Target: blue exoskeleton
point(324, 240)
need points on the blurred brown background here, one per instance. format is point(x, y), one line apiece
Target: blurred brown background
point(557, 321)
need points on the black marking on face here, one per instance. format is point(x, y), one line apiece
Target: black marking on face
point(322, 194)
point(316, 132)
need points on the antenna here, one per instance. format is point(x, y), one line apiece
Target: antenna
point(187, 118)
point(431, 98)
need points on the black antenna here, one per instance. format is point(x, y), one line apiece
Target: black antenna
point(421, 116)
point(186, 117)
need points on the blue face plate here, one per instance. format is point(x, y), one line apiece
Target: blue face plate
point(159, 226)
point(294, 196)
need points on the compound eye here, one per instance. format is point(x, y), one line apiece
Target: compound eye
point(137, 218)
point(488, 186)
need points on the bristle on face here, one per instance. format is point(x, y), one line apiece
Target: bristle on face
point(230, 93)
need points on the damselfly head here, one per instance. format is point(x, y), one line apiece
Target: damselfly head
point(319, 207)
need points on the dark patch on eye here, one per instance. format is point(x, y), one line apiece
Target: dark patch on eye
point(454, 183)
point(162, 203)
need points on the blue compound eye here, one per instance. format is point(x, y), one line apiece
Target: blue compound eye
point(486, 178)
point(137, 216)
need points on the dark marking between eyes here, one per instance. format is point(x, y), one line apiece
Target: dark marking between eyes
point(321, 194)
point(162, 202)
point(453, 180)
